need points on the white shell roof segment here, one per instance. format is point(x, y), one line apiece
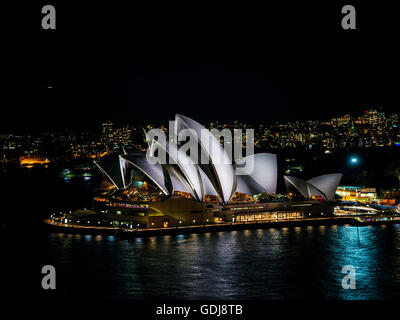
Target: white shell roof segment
point(224, 172)
point(124, 168)
point(324, 186)
point(265, 172)
point(188, 167)
point(208, 187)
point(298, 184)
point(247, 185)
point(153, 171)
point(327, 183)
point(178, 182)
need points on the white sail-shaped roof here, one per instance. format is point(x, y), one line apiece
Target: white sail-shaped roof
point(265, 171)
point(208, 188)
point(152, 171)
point(123, 164)
point(327, 183)
point(187, 167)
point(247, 185)
point(178, 182)
point(306, 189)
point(324, 186)
point(299, 184)
point(224, 176)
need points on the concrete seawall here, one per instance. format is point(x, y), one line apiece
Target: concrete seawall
point(134, 233)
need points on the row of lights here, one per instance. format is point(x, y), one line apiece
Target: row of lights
point(78, 221)
point(180, 221)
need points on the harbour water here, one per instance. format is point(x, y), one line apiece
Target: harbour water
point(299, 262)
point(281, 263)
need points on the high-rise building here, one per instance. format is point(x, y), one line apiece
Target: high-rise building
point(108, 133)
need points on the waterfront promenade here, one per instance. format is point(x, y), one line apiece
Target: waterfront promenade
point(225, 226)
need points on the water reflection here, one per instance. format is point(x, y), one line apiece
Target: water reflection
point(300, 262)
point(361, 248)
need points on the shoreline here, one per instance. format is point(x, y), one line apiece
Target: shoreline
point(138, 233)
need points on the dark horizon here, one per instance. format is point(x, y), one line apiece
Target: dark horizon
point(148, 62)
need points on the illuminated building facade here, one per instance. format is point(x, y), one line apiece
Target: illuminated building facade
point(29, 161)
point(351, 193)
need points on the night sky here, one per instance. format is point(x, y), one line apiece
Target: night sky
point(142, 62)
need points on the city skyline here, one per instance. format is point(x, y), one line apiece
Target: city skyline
point(371, 128)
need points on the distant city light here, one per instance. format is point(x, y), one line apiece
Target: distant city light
point(353, 160)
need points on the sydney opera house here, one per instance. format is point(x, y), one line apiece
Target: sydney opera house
point(184, 191)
